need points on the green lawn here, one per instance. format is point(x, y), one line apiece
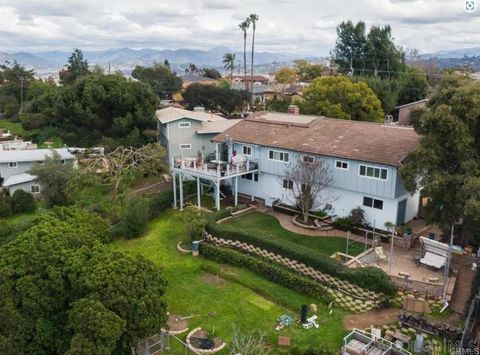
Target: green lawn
point(220, 296)
point(262, 224)
point(14, 127)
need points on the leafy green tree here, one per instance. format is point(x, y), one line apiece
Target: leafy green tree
point(229, 63)
point(134, 218)
point(14, 81)
point(382, 56)
point(53, 175)
point(446, 162)
point(215, 98)
point(22, 201)
point(163, 82)
point(63, 291)
point(414, 86)
point(386, 90)
point(194, 222)
point(307, 71)
point(350, 46)
point(76, 67)
point(339, 97)
point(5, 204)
point(211, 73)
point(106, 109)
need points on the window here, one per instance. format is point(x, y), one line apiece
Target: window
point(249, 177)
point(288, 184)
point(185, 146)
point(372, 202)
point(35, 189)
point(13, 164)
point(247, 150)
point(278, 156)
point(340, 164)
point(305, 188)
point(308, 159)
point(64, 162)
point(40, 162)
point(372, 172)
point(184, 124)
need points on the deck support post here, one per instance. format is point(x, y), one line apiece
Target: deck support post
point(217, 195)
point(236, 191)
point(174, 189)
point(198, 193)
point(180, 178)
point(252, 185)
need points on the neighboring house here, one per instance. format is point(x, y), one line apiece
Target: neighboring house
point(401, 114)
point(259, 91)
point(15, 166)
point(250, 79)
point(185, 133)
point(364, 160)
point(17, 144)
point(191, 78)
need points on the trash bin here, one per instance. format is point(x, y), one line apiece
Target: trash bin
point(195, 247)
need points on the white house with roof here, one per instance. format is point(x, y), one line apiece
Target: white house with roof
point(185, 133)
point(15, 166)
point(364, 160)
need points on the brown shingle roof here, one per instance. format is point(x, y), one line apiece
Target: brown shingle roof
point(364, 141)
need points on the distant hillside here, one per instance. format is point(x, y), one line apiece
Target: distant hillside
point(458, 53)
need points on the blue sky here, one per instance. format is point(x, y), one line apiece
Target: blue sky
point(299, 26)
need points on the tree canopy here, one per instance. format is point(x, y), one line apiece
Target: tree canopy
point(307, 71)
point(446, 161)
point(339, 97)
point(215, 98)
point(63, 291)
point(373, 53)
point(161, 79)
point(76, 67)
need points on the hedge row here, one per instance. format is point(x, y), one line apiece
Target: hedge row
point(370, 278)
point(266, 269)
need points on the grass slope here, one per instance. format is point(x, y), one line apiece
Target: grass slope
point(221, 296)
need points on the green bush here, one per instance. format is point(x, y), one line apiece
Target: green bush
point(343, 222)
point(162, 201)
point(5, 205)
point(135, 217)
point(11, 109)
point(368, 278)
point(22, 201)
point(266, 269)
point(357, 216)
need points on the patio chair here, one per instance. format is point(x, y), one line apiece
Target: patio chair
point(380, 254)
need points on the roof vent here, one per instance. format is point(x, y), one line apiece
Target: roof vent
point(199, 109)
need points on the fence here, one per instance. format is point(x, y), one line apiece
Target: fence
point(163, 343)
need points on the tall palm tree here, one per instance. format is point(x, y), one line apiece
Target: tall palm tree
point(244, 27)
point(253, 18)
point(229, 63)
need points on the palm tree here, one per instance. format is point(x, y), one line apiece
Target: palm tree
point(253, 18)
point(244, 27)
point(229, 63)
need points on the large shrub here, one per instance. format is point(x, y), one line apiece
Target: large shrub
point(266, 269)
point(369, 278)
point(5, 205)
point(134, 218)
point(22, 201)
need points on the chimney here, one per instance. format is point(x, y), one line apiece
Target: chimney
point(293, 109)
point(199, 109)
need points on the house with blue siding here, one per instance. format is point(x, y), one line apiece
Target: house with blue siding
point(185, 133)
point(362, 157)
point(15, 166)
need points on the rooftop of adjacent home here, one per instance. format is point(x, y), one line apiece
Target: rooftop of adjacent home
point(171, 114)
point(356, 140)
point(30, 155)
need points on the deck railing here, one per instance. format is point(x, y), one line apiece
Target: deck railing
point(217, 168)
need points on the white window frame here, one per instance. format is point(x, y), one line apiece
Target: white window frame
point(280, 152)
point(184, 124)
point(185, 144)
point(37, 188)
point(247, 147)
point(308, 157)
point(287, 182)
point(341, 163)
point(13, 164)
point(64, 162)
point(372, 167)
point(373, 202)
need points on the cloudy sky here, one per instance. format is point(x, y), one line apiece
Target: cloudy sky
point(299, 26)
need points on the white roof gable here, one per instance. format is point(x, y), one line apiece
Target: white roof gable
point(19, 179)
point(31, 155)
point(170, 114)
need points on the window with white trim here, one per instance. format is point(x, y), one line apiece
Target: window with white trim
point(251, 176)
point(35, 189)
point(185, 146)
point(247, 150)
point(308, 159)
point(278, 155)
point(13, 164)
point(341, 164)
point(372, 202)
point(184, 124)
point(288, 184)
point(373, 172)
point(64, 162)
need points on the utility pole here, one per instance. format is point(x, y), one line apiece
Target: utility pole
point(352, 69)
point(348, 237)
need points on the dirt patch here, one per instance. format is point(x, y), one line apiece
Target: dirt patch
point(175, 323)
point(365, 320)
point(212, 279)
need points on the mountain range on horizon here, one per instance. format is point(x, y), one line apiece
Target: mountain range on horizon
point(125, 59)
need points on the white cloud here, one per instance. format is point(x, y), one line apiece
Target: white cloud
point(300, 26)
